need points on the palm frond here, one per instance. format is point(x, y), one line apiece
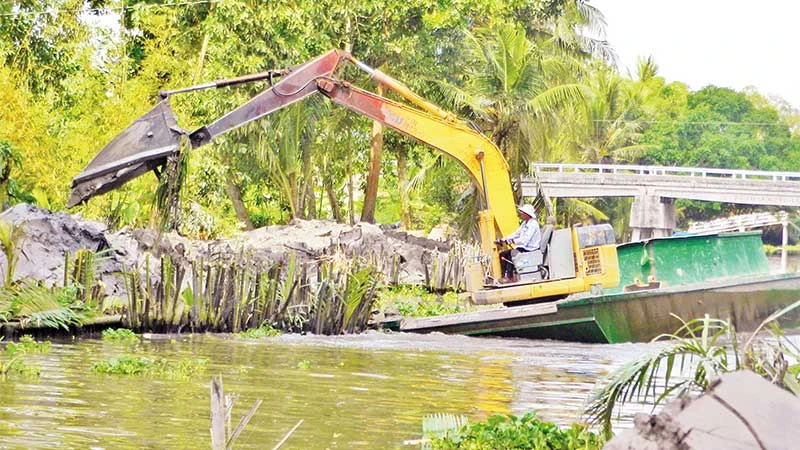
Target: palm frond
point(41, 307)
point(359, 284)
point(559, 97)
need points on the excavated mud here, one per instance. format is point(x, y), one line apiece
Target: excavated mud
point(48, 236)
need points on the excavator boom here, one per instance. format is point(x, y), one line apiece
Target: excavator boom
point(147, 143)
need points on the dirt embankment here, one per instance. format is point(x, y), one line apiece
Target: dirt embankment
point(48, 236)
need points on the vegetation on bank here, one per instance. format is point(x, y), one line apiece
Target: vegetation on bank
point(777, 250)
point(32, 304)
point(417, 301)
point(526, 74)
point(693, 356)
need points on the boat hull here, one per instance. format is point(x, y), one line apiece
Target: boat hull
point(636, 316)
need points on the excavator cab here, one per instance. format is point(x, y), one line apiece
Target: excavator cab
point(577, 259)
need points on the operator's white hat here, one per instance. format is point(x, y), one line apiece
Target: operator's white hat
point(528, 209)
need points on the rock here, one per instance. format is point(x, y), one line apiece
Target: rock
point(740, 411)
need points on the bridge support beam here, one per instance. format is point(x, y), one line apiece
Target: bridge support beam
point(652, 216)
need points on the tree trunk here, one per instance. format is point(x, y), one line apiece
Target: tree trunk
point(309, 199)
point(350, 199)
point(335, 210)
point(235, 194)
point(293, 197)
point(376, 150)
point(402, 181)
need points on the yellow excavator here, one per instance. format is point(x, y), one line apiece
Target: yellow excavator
point(571, 260)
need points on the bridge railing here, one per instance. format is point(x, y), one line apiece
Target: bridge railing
point(741, 222)
point(624, 169)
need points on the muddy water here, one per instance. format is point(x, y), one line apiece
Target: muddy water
point(355, 392)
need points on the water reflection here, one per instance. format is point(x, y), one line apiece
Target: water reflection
point(368, 391)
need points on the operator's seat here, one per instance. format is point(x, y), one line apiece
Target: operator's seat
point(534, 265)
point(547, 234)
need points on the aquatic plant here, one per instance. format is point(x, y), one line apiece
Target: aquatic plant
point(510, 432)
point(120, 335)
point(15, 353)
point(697, 353)
point(304, 364)
point(263, 331)
point(137, 365)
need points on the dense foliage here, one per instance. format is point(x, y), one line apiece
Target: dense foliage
point(73, 74)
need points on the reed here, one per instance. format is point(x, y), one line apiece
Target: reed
point(330, 296)
point(446, 272)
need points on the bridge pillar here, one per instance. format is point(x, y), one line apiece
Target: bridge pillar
point(652, 216)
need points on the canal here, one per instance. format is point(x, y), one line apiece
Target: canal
point(366, 391)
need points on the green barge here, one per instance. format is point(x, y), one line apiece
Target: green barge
point(723, 275)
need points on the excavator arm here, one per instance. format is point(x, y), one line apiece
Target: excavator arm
point(152, 138)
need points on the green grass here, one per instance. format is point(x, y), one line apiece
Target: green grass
point(416, 301)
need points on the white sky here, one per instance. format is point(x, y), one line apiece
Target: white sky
point(733, 43)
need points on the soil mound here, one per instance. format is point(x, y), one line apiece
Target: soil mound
point(46, 237)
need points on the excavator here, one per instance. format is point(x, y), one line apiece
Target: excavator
point(571, 260)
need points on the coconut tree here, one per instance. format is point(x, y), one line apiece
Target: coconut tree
point(514, 91)
point(608, 132)
point(510, 90)
point(284, 146)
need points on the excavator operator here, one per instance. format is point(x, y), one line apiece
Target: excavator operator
point(527, 238)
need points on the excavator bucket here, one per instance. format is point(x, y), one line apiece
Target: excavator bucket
point(143, 146)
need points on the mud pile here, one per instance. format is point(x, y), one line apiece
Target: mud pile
point(48, 236)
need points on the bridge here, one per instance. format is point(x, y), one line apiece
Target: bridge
point(655, 188)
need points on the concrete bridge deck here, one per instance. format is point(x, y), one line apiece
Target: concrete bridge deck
point(747, 187)
point(656, 187)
